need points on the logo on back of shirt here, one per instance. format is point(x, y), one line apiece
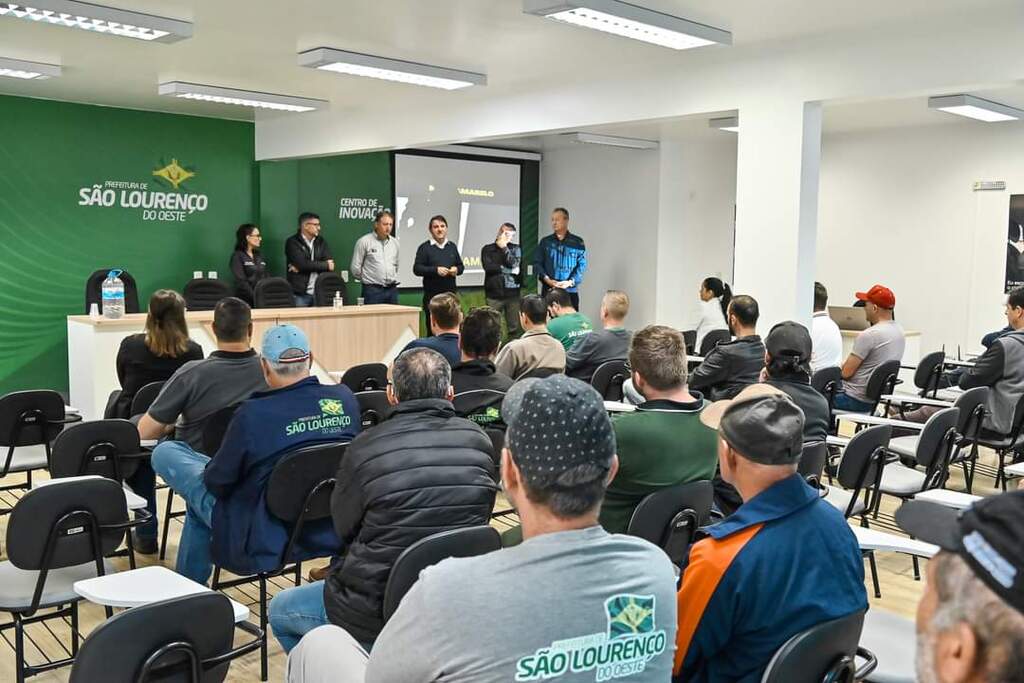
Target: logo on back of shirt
point(331, 420)
point(331, 406)
point(623, 650)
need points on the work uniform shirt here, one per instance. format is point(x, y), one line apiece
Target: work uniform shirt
point(375, 261)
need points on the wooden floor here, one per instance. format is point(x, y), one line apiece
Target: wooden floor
point(900, 594)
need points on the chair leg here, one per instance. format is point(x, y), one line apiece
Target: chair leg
point(167, 522)
point(130, 545)
point(874, 573)
point(263, 628)
point(917, 568)
point(74, 629)
point(19, 650)
point(298, 573)
point(1000, 473)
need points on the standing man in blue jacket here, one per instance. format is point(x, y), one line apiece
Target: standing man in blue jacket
point(561, 258)
point(227, 520)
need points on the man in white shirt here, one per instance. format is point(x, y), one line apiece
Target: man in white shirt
point(375, 261)
point(826, 341)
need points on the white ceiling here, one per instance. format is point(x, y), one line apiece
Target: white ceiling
point(252, 45)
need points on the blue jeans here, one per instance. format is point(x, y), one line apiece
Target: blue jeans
point(182, 468)
point(294, 612)
point(143, 482)
point(303, 300)
point(375, 294)
point(847, 402)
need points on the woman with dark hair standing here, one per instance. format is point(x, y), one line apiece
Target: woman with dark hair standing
point(152, 356)
point(714, 306)
point(247, 264)
point(438, 262)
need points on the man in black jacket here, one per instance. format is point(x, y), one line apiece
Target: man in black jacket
point(307, 255)
point(438, 262)
point(733, 365)
point(422, 471)
point(503, 277)
point(479, 338)
point(788, 368)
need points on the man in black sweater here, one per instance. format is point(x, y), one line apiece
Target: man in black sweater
point(307, 255)
point(503, 277)
point(438, 262)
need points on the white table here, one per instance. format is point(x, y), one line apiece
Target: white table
point(133, 500)
point(143, 586)
point(917, 400)
point(619, 407)
point(865, 419)
point(957, 500)
point(695, 359)
point(872, 539)
point(953, 362)
point(1015, 470)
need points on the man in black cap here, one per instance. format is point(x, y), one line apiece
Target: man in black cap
point(783, 562)
point(787, 367)
point(575, 601)
point(970, 623)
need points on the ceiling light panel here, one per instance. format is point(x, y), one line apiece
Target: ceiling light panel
point(244, 98)
point(100, 19)
point(612, 140)
point(17, 68)
point(729, 123)
point(975, 108)
point(385, 68)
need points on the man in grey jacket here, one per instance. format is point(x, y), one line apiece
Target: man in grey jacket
point(611, 343)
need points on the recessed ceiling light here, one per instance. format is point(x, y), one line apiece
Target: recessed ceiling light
point(17, 68)
point(729, 123)
point(244, 98)
point(385, 68)
point(630, 21)
point(612, 140)
point(101, 19)
point(975, 108)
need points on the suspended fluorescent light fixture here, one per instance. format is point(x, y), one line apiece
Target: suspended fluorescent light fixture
point(385, 68)
point(100, 19)
point(630, 21)
point(975, 108)
point(244, 98)
point(729, 123)
point(17, 68)
point(612, 140)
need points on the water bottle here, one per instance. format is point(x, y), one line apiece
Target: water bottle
point(113, 295)
point(338, 301)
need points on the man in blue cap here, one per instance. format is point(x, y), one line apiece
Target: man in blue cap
point(227, 521)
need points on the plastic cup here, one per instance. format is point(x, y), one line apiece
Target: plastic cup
point(359, 301)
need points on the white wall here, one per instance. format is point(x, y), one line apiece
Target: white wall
point(612, 198)
point(897, 208)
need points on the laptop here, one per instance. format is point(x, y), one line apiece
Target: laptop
point(849, 317)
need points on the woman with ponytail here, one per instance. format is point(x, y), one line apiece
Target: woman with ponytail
point(714, 304)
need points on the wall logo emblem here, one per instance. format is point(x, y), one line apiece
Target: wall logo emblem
point(153, 204)
point(174, 173)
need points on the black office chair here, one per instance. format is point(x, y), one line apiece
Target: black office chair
point(690, 339)
point(540, 373)
point(57, 535)
point(29, 422)
point(373, 407)
point(928, 373)
point(824, 653)
point(273, 292)
point(202, 294)
point(144, 397)
point(482, 406)
point(426, 552)
point(327, 284)
point(1009, 444)
point(366, 377)
point(713, 339)
point(828, 382)
point(94, 290)
point(812, 462)
point(669, 518)
point(609, 378)
point(298, 492)
point(187, 639)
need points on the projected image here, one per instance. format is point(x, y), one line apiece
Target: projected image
point(474, 196)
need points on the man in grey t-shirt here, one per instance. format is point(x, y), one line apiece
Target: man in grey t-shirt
point(882, 342)
point(571, 603)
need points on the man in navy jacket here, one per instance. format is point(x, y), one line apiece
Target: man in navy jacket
point(228, 521)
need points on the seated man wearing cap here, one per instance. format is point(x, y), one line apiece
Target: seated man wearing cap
point(787, 367)
point(786, 560)
point(227, 521)
point(882, 342)
point(970, 623)
point(572, 602)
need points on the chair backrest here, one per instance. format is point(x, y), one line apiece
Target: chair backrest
point(465, 542)
point(882, 381)
point(94, 448)
point(181, 640)
point(273, 292)
point(476, 403)
point(373, 407)
point(326, 285)
point(713, 339)
point(94, 290)
point(935, 445)
point(827, 381)
point(669, 518)
point(609, 378)
point(215, 427)
point(28, 418)
point(690, 339)
point(53, 526)
point(202, 294)
point(861, 467)
point(972, 412)
point(822, 654)
point(929, 372)
point(497, 437)
point(539, 373)
point(144, 397)
point(366, 377)
point(812, 461)
point(301, 482)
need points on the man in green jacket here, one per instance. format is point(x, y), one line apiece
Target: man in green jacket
point(663, 443)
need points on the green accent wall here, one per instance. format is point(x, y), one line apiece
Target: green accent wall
point(52, 243)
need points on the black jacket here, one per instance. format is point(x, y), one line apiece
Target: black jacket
point(729, 367)
point(471, 375)
point(296, 253)
point(428, 259)
point(248, 270)
point(809, 400)
point(493, 260)
point(421, 471)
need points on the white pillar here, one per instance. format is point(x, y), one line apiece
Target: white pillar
point(777, 169)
